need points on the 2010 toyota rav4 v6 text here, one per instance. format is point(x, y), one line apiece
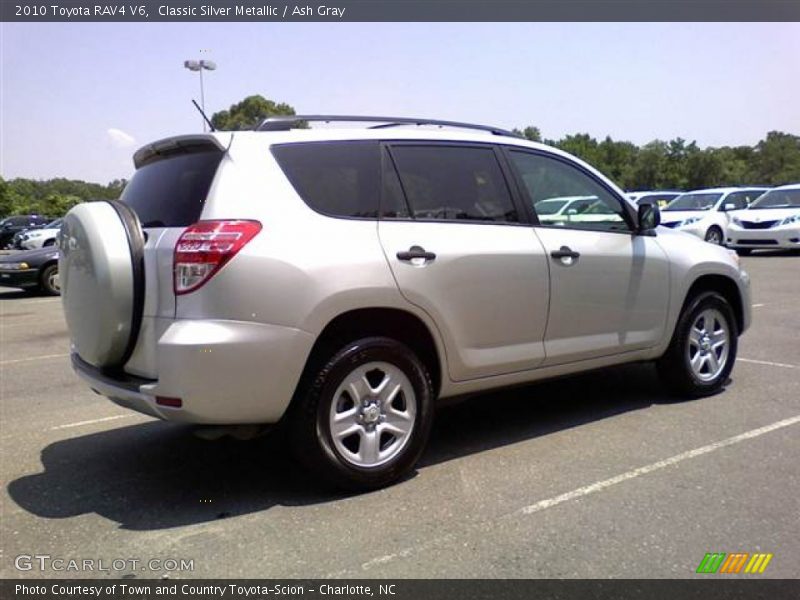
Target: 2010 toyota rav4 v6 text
point(339, 281)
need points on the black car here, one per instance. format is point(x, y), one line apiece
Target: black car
point(12, 225)
point(34, 270)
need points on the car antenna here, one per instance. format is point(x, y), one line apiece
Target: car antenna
point(200, 110)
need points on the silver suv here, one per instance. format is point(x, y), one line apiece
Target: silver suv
point(339, 281)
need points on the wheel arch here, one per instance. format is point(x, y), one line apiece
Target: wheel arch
point(723, 285)
point(395, 323)
point(43, 266)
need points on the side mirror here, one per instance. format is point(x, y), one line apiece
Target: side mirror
point(728, 206)
point(649, 218)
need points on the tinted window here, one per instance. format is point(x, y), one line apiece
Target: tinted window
point(454, 183)
point(660, 199)
point(341, 179)
point(741, 199)
point(694, 201)
point(587, 204)
point(779, 199)
point(394, 205)
point(171, 192)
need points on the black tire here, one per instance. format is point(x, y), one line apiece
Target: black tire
point(674, 366)
point(47, 243)
point(744, 251)
point(714, 236)
point(46, 279)
point(309, 422)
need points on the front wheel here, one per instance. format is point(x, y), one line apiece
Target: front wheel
point(364, 419)
point(714, 235)
point(701, 354)
point(50, 282)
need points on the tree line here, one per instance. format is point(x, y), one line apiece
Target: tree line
point(51, 197)
point(675, 164)
point(681, 165)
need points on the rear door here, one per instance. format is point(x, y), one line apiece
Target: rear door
point(459, 249)
point(609, 288)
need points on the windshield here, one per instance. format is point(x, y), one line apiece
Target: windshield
point(54, 224)
point(549, 207)
point(778, 199)
point(703, 201)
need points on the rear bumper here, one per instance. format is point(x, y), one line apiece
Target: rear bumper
point(224, 372)
point(778, 238)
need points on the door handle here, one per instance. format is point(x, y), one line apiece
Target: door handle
point(416, 252)
point(565, 252)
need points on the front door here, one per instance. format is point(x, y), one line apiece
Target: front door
point(609, 287)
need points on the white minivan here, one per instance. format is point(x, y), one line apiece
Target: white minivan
point(704, 212)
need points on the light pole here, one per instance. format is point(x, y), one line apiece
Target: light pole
point(201, 65)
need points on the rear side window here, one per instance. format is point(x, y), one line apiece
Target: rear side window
point(339, 179)
point(454, 183)
point(171, 192)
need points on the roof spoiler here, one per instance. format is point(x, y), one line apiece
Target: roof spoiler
point(180, 144)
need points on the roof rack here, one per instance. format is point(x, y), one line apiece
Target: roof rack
point(286, 122)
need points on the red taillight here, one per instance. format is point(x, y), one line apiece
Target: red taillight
point(171, 402)
point(205, 247)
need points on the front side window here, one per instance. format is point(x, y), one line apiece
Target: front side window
point(583, 202)
point(454, 183)
point(741, 199)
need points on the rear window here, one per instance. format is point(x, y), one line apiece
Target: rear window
point(171, 192)
point(340, 179)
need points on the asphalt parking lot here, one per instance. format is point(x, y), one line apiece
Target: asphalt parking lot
point(600, 475)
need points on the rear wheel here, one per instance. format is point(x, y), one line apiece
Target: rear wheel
point(50, 283)
point(714, 235)
point(703, 348)
point(363, 419)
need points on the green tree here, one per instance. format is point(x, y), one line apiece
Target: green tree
point(530, 133)
point(248, 113)
point(776, 159)
point(649, 166)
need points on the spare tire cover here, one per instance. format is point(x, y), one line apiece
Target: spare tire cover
point(102, 280)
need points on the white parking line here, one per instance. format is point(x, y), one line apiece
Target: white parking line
point(577, 493)
point(25, 301)
point(92, 422)
point(758, 305)
point(768, 363)
point(34, 321)
point(606, 483)
point(32, 358)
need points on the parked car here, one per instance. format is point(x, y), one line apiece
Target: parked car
point(704, 212)
point(556, 210)
point(338, 282)
point(771, 222)
point(14, 224)
point(40, 237)
point(660, 197)
point(33, 270)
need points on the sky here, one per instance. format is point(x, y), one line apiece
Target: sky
point(77, 99)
